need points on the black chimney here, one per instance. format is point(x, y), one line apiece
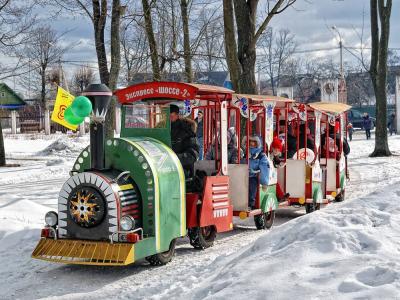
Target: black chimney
point(100, 96)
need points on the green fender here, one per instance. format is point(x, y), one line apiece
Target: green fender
point(317, 192)
point(268, 200)
point(342, 180)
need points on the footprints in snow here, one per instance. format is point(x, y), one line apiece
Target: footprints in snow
point(377, 276)
point(369, 278)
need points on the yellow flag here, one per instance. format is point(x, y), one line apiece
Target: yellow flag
point(63, 100)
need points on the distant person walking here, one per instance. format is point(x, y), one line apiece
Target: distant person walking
point(367, 123)
point(350, 130)
point(392, 123)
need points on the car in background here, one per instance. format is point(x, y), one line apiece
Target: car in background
point(356, 118)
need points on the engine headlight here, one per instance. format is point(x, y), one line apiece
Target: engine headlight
point(51, 218)
point(127, 223)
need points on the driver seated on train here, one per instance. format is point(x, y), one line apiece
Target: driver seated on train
point(232, 148)
point(183, 140)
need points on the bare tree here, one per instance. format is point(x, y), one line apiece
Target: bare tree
point(393, 58)
point(242, 59)
point(378, 70)
point(41, 52)
point(99, 11)
point(16, 20)
point(81, 79)
point(186, 41)
point(277, 49)
point(134, 46)
point(151, 40)
point(209, 54)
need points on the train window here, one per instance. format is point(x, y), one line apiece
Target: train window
point(145, 116)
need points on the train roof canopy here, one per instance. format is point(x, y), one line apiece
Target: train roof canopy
point(329, 107)
point(280, 101)
point(172, 90)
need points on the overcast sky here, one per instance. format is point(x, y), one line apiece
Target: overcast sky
point(309, 20)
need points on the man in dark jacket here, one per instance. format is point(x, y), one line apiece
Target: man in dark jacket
point(392, 123)
point(199, 133)
point(367, 123)
point(183, 140)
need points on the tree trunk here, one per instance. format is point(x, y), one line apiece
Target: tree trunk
point(230, 45)
point(43, 88)
point(152, 40)
point(378, 71)
point(2, 150)
point(115, 64)
point(99, 23)
point(246, 12)
point(186, 41)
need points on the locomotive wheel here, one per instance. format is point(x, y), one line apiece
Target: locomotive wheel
point(202, 237)
point(265, 221)
point(340, 197)
point(311, 207)
point(163, 258)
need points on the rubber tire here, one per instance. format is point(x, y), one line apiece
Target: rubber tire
point(270, 219)
point(163, 258)
point(264, 221)
point(341, 197)
point(202, 237)
point(311, 207)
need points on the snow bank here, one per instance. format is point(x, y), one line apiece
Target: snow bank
point(345, 251)
point(349, 250)
point(65, 145)
point(40, 157)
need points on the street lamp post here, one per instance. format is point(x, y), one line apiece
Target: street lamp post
point(341, 51)
point(342, 91)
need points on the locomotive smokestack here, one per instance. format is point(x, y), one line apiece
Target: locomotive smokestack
point(100, 96)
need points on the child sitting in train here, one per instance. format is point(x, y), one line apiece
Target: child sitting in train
point(258, 169)
point(276, 151)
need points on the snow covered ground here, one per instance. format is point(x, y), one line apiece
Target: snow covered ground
point(349, 250)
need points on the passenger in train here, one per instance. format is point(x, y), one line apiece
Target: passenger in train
point(334, 143)
point(232, 148)
point(258, 169)
point(304, 138)
point(276, 151)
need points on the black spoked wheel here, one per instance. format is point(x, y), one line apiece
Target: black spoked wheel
point(202, 237)
point(265, 221)
point(340, 197)
point(269, 219)
point(311, 207)
point(163, 258)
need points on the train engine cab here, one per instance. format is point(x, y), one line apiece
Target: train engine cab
point(127, 197)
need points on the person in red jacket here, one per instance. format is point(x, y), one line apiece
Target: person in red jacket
point(276, 151)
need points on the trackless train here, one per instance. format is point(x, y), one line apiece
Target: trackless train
point(128, 197)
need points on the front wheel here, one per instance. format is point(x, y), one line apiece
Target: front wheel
point(311, 207)
point(163, 258)
point(265, 220)
point(202, 237)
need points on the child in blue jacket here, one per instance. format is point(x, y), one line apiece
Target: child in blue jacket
point(258, 169)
